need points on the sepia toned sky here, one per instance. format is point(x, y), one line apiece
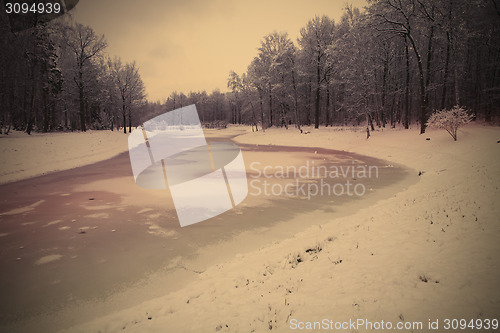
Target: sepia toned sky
point(191, 45)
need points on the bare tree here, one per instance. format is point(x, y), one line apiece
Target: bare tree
point(400, 17)
point(234, 83)
point(256, 80)
point(274, 69)
point(131, 88)
point(85, 45)
point(314, 40)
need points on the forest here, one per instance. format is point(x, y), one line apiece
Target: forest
point(391, 64)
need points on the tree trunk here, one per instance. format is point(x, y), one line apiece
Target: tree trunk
point(455, 70)
point(124, 114)
point(447, 60)
point(45, 111)
point(429, 63)
point(308, 101)
point(270, 105)
point(446, 71)
point(65, 117)
point(393, 119)
point(32, 106)
point(82, 102)
point(384, 91)
point(254, 119)
point(327, 105)
point(239, 105)
point(407, 87)
point(29, 125)
point(295, 102)
point(261, 102)
point(316, 108)
point(423, 106)
point(334, 117)
point(130, 118)
point(53, 116)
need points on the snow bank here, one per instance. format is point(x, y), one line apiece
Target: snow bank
point(25, 156)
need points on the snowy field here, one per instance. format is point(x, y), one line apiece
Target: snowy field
point(25, 156)
point(428, 252)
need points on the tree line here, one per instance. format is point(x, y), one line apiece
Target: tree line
point(393, 63)
point(56, 76)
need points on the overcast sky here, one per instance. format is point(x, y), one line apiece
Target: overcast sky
point(191, 45)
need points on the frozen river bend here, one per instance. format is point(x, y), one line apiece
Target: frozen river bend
point(90, 233)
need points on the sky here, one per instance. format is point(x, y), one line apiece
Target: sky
point(191, 45)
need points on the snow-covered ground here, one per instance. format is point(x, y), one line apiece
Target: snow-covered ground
point(26, 156)
point(428, 252)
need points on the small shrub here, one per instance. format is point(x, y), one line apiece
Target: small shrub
point(450, 120)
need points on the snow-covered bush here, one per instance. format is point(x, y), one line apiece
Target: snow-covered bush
point(450, 120)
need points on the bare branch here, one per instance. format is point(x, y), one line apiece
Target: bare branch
point(496, 7)
point(425, 11)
